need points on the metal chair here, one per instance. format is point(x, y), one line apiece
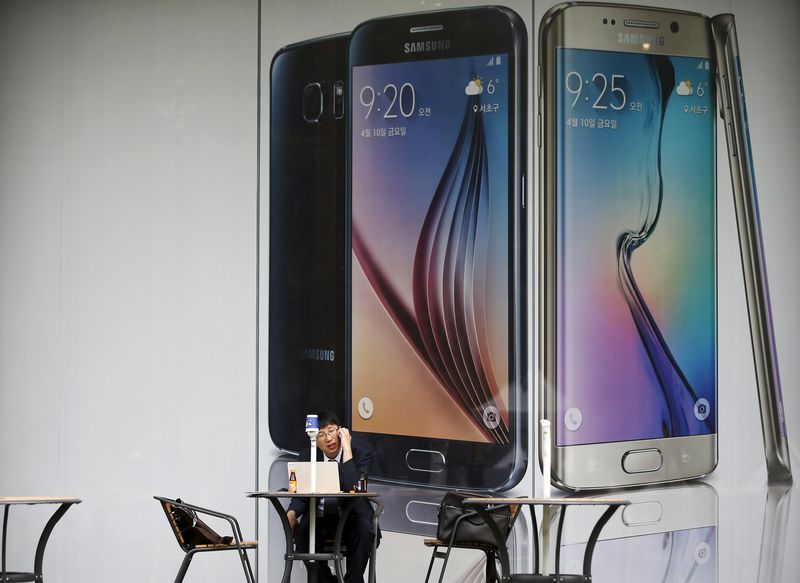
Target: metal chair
point(491, 550)
point(237, 544)
point(339, 553)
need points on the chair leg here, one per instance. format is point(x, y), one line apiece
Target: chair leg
point(184, 567)
point(491, 568)
point(444, 565)
point(430, 565)
point(248, 570)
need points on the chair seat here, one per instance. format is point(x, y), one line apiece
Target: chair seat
point(247, 544)
point(537, 578)
point(17, 577)
point(435, 542)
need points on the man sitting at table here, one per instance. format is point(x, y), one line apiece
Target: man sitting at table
point(335, 444)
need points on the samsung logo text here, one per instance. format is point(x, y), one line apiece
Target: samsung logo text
point(627, 38)
point(320, 354)
point(426, 46)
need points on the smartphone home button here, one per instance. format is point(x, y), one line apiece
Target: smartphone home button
point(425, 460)
point(642, 513)
point(638, 461)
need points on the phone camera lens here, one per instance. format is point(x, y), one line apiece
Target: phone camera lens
point(312, 102)
point(674, 26)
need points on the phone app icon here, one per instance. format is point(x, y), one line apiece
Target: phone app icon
point(702, 409)
point(685, 88)
point(491, 417)
point(573, 418)
point(702, 552)
point(365, 407)
point(474, 87)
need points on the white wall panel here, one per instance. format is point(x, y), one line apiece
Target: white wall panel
point(128, 229)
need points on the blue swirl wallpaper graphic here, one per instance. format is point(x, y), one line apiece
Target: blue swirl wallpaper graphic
point(431, 265)
point(637, 284)
point(678, 395)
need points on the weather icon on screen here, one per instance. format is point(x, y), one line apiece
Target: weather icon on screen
point(474, 87)
point(685, 88)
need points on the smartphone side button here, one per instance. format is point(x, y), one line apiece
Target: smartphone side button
point(538, 79)
point(425, 460)
point(642, 460)
point(539, 130)
point(732, 140)
point(724, 92)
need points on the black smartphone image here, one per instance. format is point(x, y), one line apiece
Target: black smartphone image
point(628, 326)
point(733, 110)
point(307, 236)
point(436, 177)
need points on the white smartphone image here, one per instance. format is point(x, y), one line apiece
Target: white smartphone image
point(628, 327)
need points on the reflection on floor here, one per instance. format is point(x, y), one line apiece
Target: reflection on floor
point(674, 534)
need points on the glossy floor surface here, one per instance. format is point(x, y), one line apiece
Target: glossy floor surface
point(698, 531)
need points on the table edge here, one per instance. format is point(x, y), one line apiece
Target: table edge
point(12, 500)
point(550, 501)
point(309, 495)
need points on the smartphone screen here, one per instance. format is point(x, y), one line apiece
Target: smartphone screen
point(636, 239)
point(430, 233)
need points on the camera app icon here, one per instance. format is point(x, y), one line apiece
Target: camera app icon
point(702, 409)
point(491, 417)
point(702, 552)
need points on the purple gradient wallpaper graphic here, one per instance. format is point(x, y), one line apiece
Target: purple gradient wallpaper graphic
point(430, 292)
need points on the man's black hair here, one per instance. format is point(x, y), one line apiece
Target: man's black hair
point(328, 418)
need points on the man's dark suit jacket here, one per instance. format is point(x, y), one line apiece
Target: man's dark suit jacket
point(349, 473)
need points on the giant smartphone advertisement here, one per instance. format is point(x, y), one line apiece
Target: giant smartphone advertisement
point(478, 161)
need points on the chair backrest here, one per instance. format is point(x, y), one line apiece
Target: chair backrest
point(515, 510)
point(169, 509)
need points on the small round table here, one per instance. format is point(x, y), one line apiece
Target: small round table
point(336, 556)
point(8, 502)
point(482, 506)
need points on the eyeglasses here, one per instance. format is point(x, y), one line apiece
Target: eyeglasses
point(334, 433)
